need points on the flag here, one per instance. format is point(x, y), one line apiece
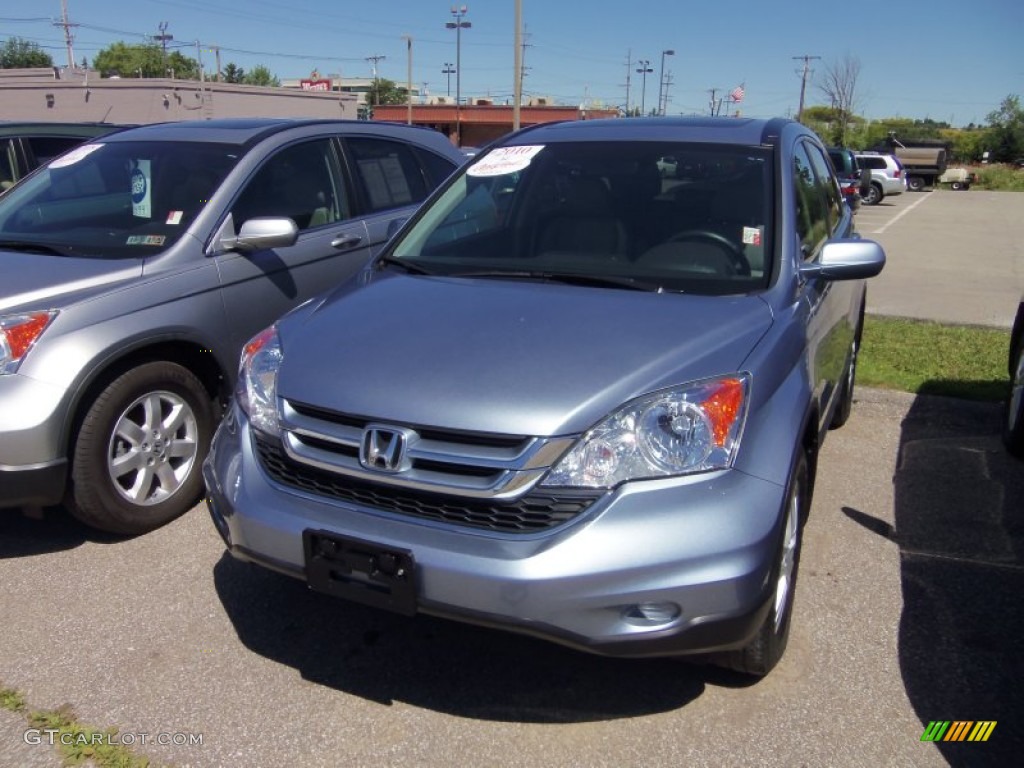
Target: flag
point(737, 93)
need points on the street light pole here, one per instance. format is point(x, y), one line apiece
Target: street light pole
point(661, 82)
point(643, 69)
point(458, 25)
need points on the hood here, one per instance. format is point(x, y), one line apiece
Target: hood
point(504, 356)
point(33, 281)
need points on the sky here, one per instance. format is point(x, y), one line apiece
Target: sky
point(947, 60)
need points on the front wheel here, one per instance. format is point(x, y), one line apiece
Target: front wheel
point(138, 456)
point(761, 655)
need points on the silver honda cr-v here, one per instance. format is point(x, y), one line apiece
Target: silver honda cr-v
point(132, 270)
point(578, 396)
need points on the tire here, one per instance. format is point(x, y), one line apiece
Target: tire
point(915, 183)
point(874, 195)
point(957, 185)
point(1013, 421)
point(124, 482)
point(845, 405)
point(760, 656)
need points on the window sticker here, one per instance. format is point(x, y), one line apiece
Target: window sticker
point(146, 240)
point(751, 235)
point(142, 202)
point(76, 154)
point(174, 217)
point(504, 160)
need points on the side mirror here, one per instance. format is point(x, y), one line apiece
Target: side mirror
point(852, 259)
point(262, 232)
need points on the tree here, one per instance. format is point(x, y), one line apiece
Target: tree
point(384, 91)
point(260, 75)
point(17, 53)
point(145, 60)
point(1006, 131)
point(233, 73)
point(839, 86)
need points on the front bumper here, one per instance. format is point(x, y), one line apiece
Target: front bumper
point(659, 567)
point(32, 471)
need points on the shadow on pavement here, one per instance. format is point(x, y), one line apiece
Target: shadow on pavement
point(49, 530)
point(959, 512)
point(442, 665)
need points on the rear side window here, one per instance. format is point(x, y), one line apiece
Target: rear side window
point(388, 173)
point(437, 168)
point(828, 185)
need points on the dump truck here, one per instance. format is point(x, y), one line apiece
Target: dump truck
point(924, 160)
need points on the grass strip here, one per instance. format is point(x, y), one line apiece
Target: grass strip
point(931, 358)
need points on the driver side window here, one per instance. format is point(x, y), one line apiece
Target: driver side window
point(301, 182)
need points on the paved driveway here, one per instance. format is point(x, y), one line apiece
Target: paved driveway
point(952, 256)
point(908, 610)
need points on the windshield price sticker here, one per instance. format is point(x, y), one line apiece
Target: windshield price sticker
point(504, 160)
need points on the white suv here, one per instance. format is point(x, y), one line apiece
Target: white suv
point(887, 176)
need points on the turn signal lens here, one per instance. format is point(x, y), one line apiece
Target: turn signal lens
point(17, 335)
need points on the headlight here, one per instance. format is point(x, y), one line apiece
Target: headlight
point(257, 380)
point(17, 335)
point(678, 431)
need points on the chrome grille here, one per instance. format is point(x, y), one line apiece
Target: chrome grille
point(530, 513)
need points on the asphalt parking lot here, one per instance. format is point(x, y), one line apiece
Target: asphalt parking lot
point(908, 609)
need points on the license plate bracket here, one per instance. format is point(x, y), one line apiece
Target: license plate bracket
point(360, 571)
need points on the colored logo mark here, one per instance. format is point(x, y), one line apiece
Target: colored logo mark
point(958, 730)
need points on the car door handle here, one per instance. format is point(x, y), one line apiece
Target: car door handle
point(346, 241)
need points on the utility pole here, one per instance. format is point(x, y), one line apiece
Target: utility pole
point(517, 64)
point(376, 91)
point(68, 37)
point(629, 73)
point(661, 79)
point(713, 103)
point(163, 39)
point(803, 81)
point(668, 84)
point(408, 74)
point(449, 69)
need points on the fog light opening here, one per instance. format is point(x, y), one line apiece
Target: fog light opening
point(652, 614)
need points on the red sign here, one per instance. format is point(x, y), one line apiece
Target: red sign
point(315, 85)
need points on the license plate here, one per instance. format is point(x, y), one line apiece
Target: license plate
point(361, 571)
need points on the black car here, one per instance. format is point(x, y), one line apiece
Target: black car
point(1013, 424)
point(854, 181)
point(26, 146)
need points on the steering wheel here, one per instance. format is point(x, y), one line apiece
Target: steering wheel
point(737, 261)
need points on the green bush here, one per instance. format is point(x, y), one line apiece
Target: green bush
point(1000, 177)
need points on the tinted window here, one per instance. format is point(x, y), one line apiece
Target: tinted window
point(388, 173)
point(828, 185)
point(7, 175)
point(438, 168)
point(869, 161)
point(299, 182)
point(811, 203)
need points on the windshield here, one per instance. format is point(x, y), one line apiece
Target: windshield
point(114, 200)
point(649, 215)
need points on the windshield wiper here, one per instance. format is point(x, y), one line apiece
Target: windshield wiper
point(570, 278)
point(33, 247)
point(409, 266)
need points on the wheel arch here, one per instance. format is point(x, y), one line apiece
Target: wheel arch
point(191, 355)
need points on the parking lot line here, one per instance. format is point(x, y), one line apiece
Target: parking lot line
point(900, 215)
